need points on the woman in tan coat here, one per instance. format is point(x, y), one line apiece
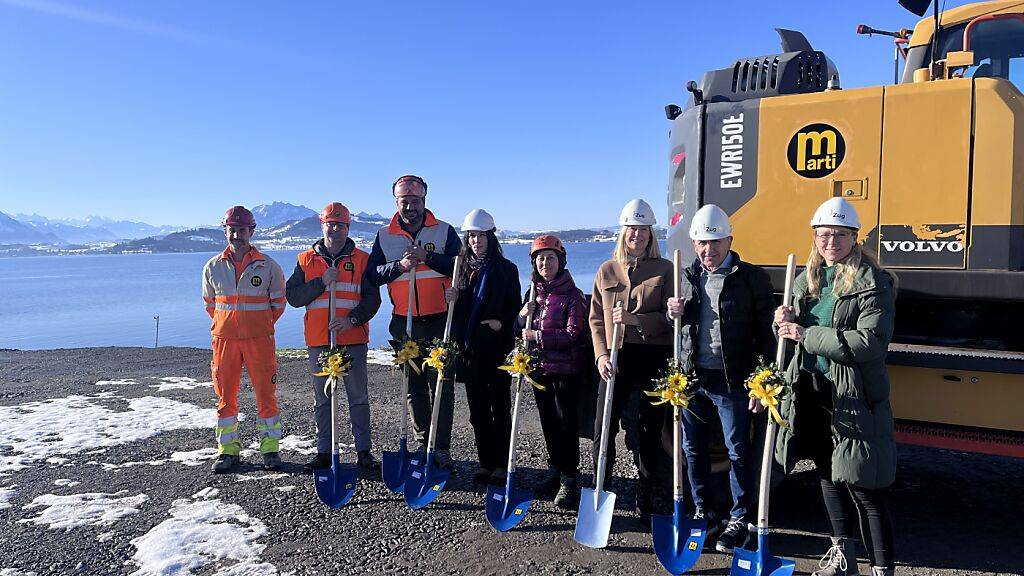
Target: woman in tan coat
point(641, 280)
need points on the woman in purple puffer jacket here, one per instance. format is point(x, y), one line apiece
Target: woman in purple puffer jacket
point(558, 329)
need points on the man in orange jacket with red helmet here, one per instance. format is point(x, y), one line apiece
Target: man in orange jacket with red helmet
point(244, 295)
point(335, 263)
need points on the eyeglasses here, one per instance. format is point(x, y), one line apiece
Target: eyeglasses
point(826, 237)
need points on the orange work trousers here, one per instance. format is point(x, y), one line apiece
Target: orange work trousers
point(259, 356)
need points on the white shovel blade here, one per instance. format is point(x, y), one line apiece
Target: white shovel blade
point(595, 518)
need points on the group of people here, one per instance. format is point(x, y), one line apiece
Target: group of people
point(836, 403)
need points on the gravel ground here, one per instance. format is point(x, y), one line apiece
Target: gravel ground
point(955, 513)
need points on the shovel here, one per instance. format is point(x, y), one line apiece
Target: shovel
point(597, 506)
point(678, 539)
point(426, 481)
point(335, 485)
point(506, 507)
point(394, 466)
point(761, 562)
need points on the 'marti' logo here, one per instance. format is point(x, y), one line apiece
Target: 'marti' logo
point(256, 281)
point(816, 150)
point(348, 266)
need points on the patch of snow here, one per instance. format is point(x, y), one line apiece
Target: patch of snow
point(195, 457)
point(105, 536)
point(208, 492)
point(201, 533)
point(66, 482)
point(108, 466)
point(15, 572)
point(36, 431)
point(123, 382)
point(6, 493)
point(276, 476)
point(288, 488)
point(89, 509)
point(57, 460)
point(179, 383)
point(382, 356)
point(291, 442)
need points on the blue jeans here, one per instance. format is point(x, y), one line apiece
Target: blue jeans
point(713, 395)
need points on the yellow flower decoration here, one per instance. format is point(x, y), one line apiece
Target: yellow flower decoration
point(435, 360)
point(766, 386)
point(405, 355)
point(335, 366)
point(521, 364)
point(672, 390)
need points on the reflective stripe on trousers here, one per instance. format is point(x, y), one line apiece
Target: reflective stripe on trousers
point(227, 436)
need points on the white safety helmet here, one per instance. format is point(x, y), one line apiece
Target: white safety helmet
point(636, 212)
point(710, 223)
point(478, 221)
point(836, 212)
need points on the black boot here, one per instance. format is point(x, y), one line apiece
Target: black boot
point(225, 463)
point(568, 497)
point(549, 484)
point(271, 461)
point(366, 461)
point(321, 460)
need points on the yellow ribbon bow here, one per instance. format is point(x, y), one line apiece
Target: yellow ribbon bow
point(672, 392)
point(521, 364)
point(767, 393)
point(405, 355)
point(337, 367)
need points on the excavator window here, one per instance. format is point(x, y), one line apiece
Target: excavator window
point(998, 47)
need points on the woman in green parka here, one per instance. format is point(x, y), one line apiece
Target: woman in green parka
point(838, 406)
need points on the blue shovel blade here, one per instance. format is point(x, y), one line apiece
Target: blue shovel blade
point(507, 508)
point(760, 562)
point(424, 483)
point(335, 485)
point(678, 540)
point(394, 468)
point(595, 518)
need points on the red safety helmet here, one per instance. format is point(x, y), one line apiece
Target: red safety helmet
point(238, 216)
point(546, 242)
point(335, 212)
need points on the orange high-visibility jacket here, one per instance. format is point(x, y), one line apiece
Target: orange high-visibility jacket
point(249, 307)
point(346, 296)
point(430, 285)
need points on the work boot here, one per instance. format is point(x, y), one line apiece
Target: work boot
point(568, 497)
point(366, 461)
point(443, 460)
point(879, 571)
point(713, 528)
point(271, 461)
point(482, 476)
point(499, 477)
point(840, 560)
point(549, 484)
point(224, 463)
point(321, 460)
point(735, 534)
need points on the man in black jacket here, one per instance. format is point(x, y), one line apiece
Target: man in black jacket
point(726, 309)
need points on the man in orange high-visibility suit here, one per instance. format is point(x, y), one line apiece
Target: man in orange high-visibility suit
point(416, 239)
point(334, 263)
point(244, 294)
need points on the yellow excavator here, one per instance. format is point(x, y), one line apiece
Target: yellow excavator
point(935, 167)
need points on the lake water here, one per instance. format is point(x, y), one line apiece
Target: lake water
point(83, 301)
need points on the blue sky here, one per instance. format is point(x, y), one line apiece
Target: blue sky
point(548, 114)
